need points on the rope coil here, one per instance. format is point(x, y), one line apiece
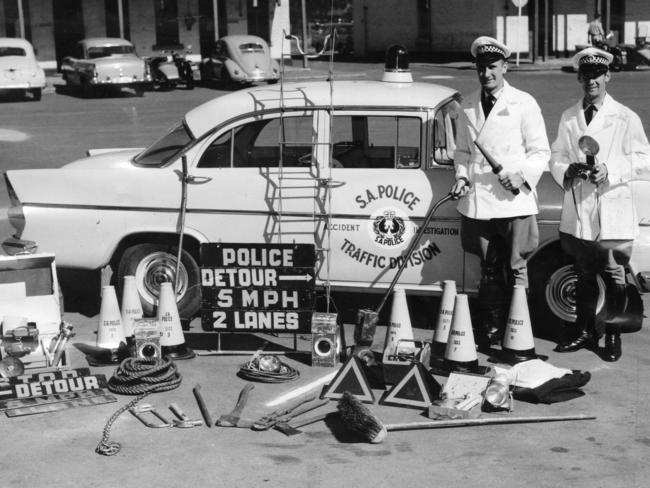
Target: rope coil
point(254, 371)
point(137, 377)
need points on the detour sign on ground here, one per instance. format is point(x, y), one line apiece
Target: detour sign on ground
point(257, 287)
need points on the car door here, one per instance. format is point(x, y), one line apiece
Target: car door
point(383, 181)
point(254, 181)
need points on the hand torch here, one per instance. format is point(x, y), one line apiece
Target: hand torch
point(496, 167)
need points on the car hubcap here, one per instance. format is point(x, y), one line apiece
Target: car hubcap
point(157, 268)
point(561, 293)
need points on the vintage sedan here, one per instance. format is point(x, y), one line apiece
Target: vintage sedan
point(20, 72)
point(105, 63)
point(240, 60)
point(351, 167)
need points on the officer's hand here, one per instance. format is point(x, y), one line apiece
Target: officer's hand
point(511, 181)
point(598, 174)
point(574, 170)
point(459, 189)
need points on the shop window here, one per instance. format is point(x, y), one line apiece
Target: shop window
point(111, 9)
point(166, 14)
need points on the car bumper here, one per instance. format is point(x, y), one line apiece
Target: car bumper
point(21, 85)
point(122, 81)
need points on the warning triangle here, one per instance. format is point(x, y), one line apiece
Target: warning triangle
point(350, 378)
point(417, 389)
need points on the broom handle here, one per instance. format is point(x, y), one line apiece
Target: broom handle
point(414, 243)
point(439, 424)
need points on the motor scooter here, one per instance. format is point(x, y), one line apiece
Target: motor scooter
point(171, 69)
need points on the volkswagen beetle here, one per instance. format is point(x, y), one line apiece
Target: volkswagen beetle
point(241, 60)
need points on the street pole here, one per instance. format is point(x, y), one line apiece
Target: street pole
point(215, 18)
point(305, 63)
point(120, 15)
point(21, 19)
point(519, 32)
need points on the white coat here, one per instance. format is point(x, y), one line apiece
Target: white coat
point(606, 211)
point(515, 135)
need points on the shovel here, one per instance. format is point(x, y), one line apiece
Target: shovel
point(367, 318)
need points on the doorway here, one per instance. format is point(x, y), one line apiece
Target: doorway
point(68, 27)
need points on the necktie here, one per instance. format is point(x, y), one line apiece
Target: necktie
point(487, 102)
point(589, 113)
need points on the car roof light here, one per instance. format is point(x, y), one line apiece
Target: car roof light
point(396, 66)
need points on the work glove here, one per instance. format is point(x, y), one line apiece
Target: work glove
point(460, 188)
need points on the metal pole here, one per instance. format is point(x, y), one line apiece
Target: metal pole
point(21, 19)
point(519, 35)
point(305, 63)
point(120, 15)
point(215, 18)
point(545, 29)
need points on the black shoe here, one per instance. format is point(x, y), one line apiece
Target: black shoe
point(612, 351)
point(586, 340)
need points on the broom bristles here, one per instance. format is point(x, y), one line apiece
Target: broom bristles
point(360, 419)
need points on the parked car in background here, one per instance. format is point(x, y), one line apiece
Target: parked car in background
point(105, 63)
point(19, 70)
point(172, 68)
point(241, 60)
point(351, 167)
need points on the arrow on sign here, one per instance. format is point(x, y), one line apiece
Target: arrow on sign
point(305, 277)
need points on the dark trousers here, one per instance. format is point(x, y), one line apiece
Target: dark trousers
point(503, 245)
point(607, 258)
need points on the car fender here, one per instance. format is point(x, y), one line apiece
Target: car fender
point(236, 72)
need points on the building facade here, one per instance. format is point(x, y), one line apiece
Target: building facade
point(534, 28)
point(54, 26)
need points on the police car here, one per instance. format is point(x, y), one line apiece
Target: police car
point(351, 167)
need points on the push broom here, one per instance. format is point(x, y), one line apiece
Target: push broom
point(360, 419)
point(367, 318)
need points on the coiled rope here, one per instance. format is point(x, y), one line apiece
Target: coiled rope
point(137, 377)
point(267, 369)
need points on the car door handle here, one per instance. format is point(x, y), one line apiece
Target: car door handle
point(191, 179)
point(327, 183)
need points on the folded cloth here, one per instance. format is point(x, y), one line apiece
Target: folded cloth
point(555, 390)
point(532, 373)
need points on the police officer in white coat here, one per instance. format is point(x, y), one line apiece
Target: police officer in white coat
point(598, 221)
point(498, 210)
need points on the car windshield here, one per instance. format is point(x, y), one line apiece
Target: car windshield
point(251, 47)
point(104, 51)
point(165, 148)
point(12, 51)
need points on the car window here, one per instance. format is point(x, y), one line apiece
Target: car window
point(251, 47)
point(376, 141)
point(165, 148)
point(256, 144)
point(104, 51)
point(444, 133)
point(12, 51)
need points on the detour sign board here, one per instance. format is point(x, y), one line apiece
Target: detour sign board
point(257, 287)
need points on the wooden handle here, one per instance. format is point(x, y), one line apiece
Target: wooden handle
point(440, 424)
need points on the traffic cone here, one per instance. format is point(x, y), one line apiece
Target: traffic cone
point(460, 353)
point(110, 332)
point(172, 341)
point(445, 314)
point(399, 346)
point(518, 344)
point(131, 306)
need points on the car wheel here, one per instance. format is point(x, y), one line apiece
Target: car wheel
point(153, 264)
point(36, 94)
point(552, 300)
point(139, 91)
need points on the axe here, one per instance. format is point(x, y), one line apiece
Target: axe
point(233, 419)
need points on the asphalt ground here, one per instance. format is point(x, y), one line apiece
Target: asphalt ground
point(57, 448)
